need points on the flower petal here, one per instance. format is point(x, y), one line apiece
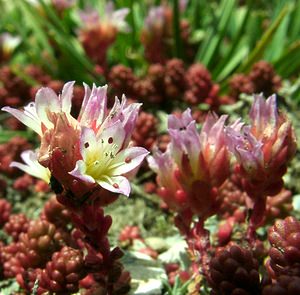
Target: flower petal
point(46, 101)
point(116, 184)
point(89, 147)
point(28, 117)
point(93, 109)
point(113, 136)
point(131, 113)
point(79, 172)
point(32, 167)
point(66, 97)
point(180, 123)
point(263, 113)
point(118, 19)
point(87, 94)
point(127, 160)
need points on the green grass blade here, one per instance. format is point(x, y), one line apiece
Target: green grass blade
point(73, 55)
point(278, 43)
point(236, 42)
point(6, 135)
point(216, 35)
point(265, 40)
point(289, 62)
point(34, 21)
point(233, 63)
point(294, 27)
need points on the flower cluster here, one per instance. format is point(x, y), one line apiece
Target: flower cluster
point(95, 147)
point(191, 171)
point(195, 164)
point(263, 148)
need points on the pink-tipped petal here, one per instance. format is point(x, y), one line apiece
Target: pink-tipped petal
point(87, 94)
point(180, 123)
point(93, 110)
point(271, 106)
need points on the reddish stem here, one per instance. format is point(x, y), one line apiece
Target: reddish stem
point(197, 238)
point(256, 218)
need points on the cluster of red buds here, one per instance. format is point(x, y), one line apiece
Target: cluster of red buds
point(11, 151)
point(284, 254)
point(234, 270)
point(262, 78)
point(200, 88)
point(162, 83)
point(145, 133)
point(5, 209)
point(168, 85)
point(46, 250)
point(34, 242)
point(14, 90)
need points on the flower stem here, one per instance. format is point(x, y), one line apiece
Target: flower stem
point(256, 218)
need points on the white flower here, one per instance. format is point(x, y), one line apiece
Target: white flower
point(105, 161)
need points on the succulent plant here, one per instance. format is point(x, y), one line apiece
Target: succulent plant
point(234, 270)
point(284, 237)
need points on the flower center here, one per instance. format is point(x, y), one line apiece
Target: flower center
point(100, 164)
